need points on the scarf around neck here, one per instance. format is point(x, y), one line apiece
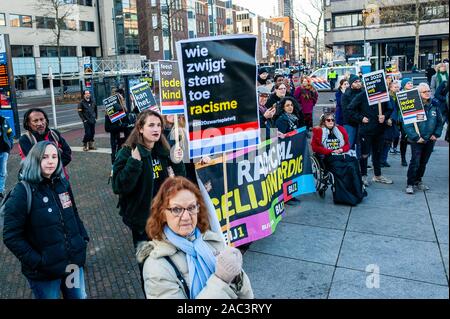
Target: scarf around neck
point(441, 76)
point(200, 258)
point(326, 132)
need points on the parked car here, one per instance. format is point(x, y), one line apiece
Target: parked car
point(320, 76)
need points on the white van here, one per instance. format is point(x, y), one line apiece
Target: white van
point(320, 76)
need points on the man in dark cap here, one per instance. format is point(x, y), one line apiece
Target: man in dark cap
point(355, 87)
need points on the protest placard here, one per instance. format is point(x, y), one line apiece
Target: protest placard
point(113, 108)
point(411, 106)
point(143, 97)
point(388, 67)
point(219, 88)
point(298, 178)
point(254, 202)
point(376, 88)
point(170, 92)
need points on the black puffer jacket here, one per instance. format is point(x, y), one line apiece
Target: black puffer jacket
point(360, 108)
point(133, 181)
point(346, 98)
point(51, 236)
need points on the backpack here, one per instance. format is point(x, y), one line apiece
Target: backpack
point(34, 141)
point(8, 195)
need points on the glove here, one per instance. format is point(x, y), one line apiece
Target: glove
point(229, 264)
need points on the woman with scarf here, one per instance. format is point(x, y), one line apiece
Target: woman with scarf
point(440, 76)
point(330, 143)
point(185, 259)
point(288, 116)
point(307, 96)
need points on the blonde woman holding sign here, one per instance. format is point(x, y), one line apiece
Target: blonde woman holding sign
point(422, 142)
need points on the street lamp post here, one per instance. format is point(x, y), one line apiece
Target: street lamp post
point(364, 17)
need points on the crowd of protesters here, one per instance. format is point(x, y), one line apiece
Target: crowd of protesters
point(177, 253)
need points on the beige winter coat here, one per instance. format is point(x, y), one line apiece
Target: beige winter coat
point(160, 279)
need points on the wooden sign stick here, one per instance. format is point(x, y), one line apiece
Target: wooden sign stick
point(177, 136)
point(225, 188)
point(416, 128)
point(380, 112)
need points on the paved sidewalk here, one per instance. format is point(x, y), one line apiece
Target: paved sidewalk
point(319, 250)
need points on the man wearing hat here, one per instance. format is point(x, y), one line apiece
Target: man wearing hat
point(355, 87)
point(371, 132)
point(405, 85)
point(262, 77)
point(265, 114)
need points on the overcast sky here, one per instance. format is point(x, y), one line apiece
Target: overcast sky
point(265, 8)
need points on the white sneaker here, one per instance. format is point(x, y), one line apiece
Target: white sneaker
point(382, 179)
point(422, 187)
point(409, 189)
point(365, 180)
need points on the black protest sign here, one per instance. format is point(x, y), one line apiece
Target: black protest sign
point(388, 67)
point(143, 97)
point(218, 80)
point(376, 88)
point(411, 106)
point(113, 108)
point(170, 92)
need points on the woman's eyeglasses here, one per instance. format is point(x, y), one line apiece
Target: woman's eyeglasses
point(329, 120)
point(178, 211)
point(427, 91)
point(281, 88)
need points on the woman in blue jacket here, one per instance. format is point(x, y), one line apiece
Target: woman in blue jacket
point(49, 239)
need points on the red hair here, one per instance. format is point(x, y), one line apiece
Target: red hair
point(157, 220)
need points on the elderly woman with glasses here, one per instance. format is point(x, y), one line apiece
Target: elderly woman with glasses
point(422, 141)
point(185, 259)
point(330, 143)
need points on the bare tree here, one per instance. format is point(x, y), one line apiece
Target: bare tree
point(170, 10)
point(313, 24)
point(415, 13)
point(59, 10)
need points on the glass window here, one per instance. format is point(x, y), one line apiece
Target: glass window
point(2, 19)
point(327, 25)
point(45, 23)
point(51, 51)
point(86, 26)
point(155, 21)
point(85, 3)
point(321, 73)
point(20, 21)
point(155, 43)
point(153, 3)
point(71, 25)
point(22, 51)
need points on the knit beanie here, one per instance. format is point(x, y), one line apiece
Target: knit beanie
point(404, 81)
point(353, 78)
